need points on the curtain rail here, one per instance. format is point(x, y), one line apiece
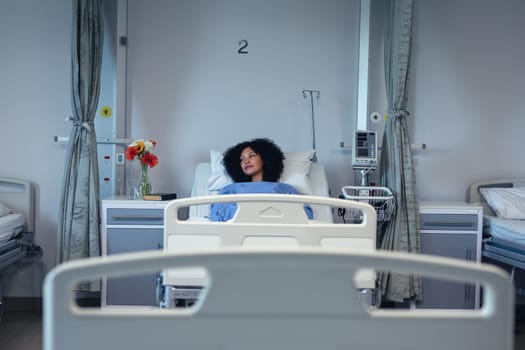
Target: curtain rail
point(63, 139)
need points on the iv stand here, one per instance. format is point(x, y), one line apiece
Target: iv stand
point(318, 95)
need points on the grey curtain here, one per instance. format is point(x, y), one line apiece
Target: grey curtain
point(78, 226)
point(396, 167)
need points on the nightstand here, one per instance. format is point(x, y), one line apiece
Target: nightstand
point(131, 226)
point(454, 230)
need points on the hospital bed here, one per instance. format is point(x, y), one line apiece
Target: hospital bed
point(262, 220)
point(503, 229)
point(271, 299)
point(16, 224)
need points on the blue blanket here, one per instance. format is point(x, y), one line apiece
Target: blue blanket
point(225, 211)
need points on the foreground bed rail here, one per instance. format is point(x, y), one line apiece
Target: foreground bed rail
point(287, 318)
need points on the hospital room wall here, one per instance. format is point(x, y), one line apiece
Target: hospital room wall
point(465, 93)
point(191, 91)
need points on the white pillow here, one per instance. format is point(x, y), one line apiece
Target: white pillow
point(218, 176)
point(507, 203)
point(295, 172)
point(4, 210)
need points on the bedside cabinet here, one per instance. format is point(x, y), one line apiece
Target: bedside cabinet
point(131, 226)
point(454, 230)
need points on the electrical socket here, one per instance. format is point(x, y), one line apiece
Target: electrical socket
point(119, 158)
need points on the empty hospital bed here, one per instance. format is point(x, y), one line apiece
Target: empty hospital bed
point(238, 310)
point(16, 225)
point(503, 219)
point(503, 203)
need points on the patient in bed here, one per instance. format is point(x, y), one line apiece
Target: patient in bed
point(255, 167)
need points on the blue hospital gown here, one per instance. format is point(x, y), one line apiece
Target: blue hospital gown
point(225, 211)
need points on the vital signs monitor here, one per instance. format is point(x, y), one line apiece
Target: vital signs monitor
point(364, 152)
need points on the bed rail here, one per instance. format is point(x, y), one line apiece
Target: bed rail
point(276, 220)
point(238, 312)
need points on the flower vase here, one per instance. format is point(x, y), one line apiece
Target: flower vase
point(144, 186)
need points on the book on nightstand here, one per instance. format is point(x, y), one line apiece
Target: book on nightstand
point(160, 196)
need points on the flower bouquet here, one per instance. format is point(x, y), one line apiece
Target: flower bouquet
point(142, 150)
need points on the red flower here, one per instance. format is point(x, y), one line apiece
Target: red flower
point(149, 159)
point(131, 152)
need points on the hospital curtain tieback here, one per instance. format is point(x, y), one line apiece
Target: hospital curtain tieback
point(141, 150)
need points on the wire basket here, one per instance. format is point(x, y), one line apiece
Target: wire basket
point(381, 198)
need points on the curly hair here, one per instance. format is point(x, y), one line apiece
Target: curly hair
point(270, 153)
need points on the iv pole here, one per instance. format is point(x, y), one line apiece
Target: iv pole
point(318, 95)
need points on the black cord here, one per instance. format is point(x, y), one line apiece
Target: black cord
point(341, 211)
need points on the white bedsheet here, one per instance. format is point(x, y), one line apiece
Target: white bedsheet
point(506, 231)
point(10, 226)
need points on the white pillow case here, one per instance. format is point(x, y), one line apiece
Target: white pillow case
point(295, 172)
point(507, 203)
point(4, 210)
point(218, 177)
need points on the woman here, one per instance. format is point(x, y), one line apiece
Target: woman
point(255, 167)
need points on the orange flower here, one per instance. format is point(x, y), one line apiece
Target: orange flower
point(140, 146)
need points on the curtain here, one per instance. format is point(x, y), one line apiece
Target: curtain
point(401, 233)
point(79, 213)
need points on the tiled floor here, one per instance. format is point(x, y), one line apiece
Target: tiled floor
point(519, 337)
point(22, 330)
